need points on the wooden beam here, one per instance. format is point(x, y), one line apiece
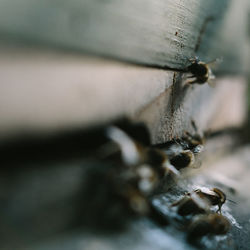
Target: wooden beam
point(45, 92)
point(48, 92)
point(160, 33)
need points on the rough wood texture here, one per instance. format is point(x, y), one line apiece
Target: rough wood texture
point(46, 199)
point(162, 33)
point(45, 92)
point(42, 201)
point(211, 108)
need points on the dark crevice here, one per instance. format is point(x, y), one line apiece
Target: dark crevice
point(202, 32)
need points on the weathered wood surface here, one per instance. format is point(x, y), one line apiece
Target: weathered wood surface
point(162, 33)
point(42, 204)
point(45, 92)
point(211, 108)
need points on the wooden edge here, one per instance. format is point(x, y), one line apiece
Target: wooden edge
point(44, 92)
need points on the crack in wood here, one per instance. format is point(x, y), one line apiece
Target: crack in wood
point(202, 32)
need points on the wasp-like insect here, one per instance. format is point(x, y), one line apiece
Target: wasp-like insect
point(200, 201)
point(181, 151)
point(214, 195)
point(183, 159)
point(213, 224)
point(191, 204)
point(135, 154)
point(194, 142)
point(141, 169)
point(178, 153)
point(200, 71)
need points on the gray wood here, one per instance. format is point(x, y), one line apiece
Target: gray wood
point(162, 33)
point(42, 201)
point(211, 108)
point(44, 93)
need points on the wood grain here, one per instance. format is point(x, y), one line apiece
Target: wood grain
point(44, 92)
point(162, 33)
point(211, 108)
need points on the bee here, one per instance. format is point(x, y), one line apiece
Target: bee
point(160, 161)
point(213, 224)
point(194, 142)
point(214, 195)
point(131, 152)
point(135, 154)
point(199, 201)
point(181, 151)
point(201, 72)
point(142, 178)
point(180, 158)
point(141, 169)
point(191, 204)
point(183, 160)
point(178, 154)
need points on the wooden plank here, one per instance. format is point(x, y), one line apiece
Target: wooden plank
point(45, 92)
point(47, 198)
point(162, 33)
point(211, 108)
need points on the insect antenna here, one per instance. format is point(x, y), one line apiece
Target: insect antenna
point(235, 203)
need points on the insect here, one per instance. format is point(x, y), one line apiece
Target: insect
point(183, 159)
point(181, 151)
point(200, 200)
point(142, 178)
point(191, 204)
point(178, 153)
point(201, 72)
point(141, 169)
point(131, 151)
point(160, 161)
point(135, 154)
point(213, 224)
point(214, 195)
point(194, 142)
